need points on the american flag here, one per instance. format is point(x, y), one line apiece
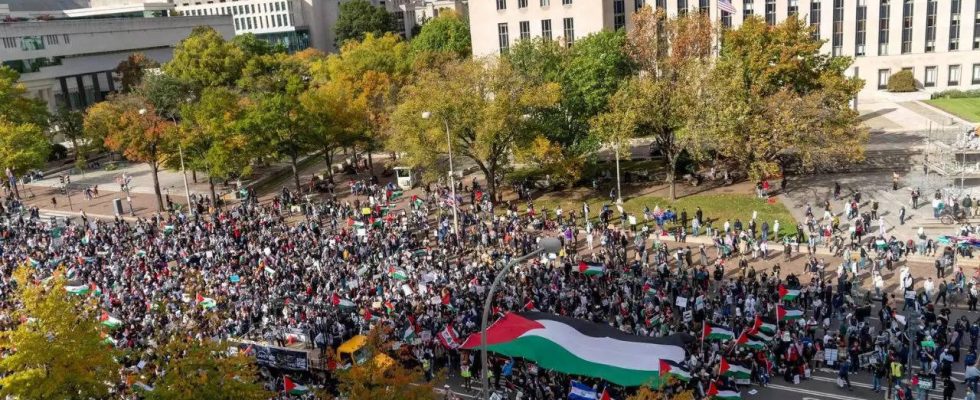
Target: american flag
point(726, 5)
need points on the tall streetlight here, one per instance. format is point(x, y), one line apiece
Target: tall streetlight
point(452, 178)
point(619, 189)
point(545, 245)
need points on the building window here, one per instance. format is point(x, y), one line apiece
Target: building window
point(619, 14)
point(704, 6)
point(681, 7)
point(954, 25)
point(771, 12)
point(793, 7)
point(9, 42)
point(748, 9)
point(662, 4)
point(545, 3)
point(908, 10)
point(237, 26)
point(976, 74)
point(883, 10)
point(883, 75)
point(28, 43)
point(503, 37)
point(861, 26)
point(930, 78)
point(954, 75)
point(521, 3)
point(838, 27)
point(501, 4)
point(976, 27)
point(51, 39)
point(525, 28)
point(931, 10)
point(815, 18)
point(726, 19)
point(569, 24)
point(566, 2)
point(65, 38)
point(546, 29)
point(638, 4)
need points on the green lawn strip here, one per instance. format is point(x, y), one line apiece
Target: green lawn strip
point(717, 208)
point(966, 108)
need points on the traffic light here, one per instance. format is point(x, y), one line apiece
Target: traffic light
point(68, 179)
point(62, 179)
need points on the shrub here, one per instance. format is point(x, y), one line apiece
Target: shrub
point(902, 81)
point(956, 94)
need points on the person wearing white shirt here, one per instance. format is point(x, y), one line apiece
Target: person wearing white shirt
point(928, 286)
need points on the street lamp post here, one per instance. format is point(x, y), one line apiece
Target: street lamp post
point(545, 245)
point(452, 178)
point(619, 190)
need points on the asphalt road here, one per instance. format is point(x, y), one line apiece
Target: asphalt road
point(823, 383)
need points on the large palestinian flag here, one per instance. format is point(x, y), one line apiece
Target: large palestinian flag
point(721, 392)
point(717, 332)
point(745, 341)
point(579, 347)
point(591, 269)
point(788, 294)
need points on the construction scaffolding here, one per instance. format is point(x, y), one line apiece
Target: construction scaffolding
point(952, 155)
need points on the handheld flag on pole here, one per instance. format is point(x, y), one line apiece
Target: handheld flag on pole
point(788, 294)
point(581, 391)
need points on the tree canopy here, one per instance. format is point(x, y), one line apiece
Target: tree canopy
point(447, 33)
point(57, 349)
point(206, 59)
point(205, 369)
point(132, 70)
point(358, 18)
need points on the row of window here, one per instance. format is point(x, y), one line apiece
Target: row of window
point(28, 43)
point(502, 4)
point(263, 22)
point(241, 9)
point(930, 76)
point(524, 27)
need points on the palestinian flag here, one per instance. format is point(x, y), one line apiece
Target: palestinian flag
point(649, 289)
point(734, 370)
point(674, 370)
point(717, 333)
point(450, 338)
point(399, 275)
point(206, 302)
point(761, 336)
point(579, 347)
point(605, 395)
point(763, 326)
point(291, 387)
point(409, 334)
point(109, 321)
point(788, 294)
point(80, 290)
point(591, 269)
point(785, 314)
point(745, 341)
point(720, 392)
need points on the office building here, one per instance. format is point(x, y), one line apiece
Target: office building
point(938, 40)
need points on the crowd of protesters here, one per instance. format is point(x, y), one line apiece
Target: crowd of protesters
point(313, 273)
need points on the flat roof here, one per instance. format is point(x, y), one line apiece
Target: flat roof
point(45, 5)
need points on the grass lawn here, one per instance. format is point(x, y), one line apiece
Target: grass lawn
point(966, 108)
point(716, 207)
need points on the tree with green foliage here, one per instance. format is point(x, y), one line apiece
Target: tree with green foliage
point(206, 370)
point(70, 124)
point(206, 59)
point(487, 107)
point(132, 70)
point(23, 147)
point(56, 351)
point(779, 98)
point(664, 99)
point(16, 107)
point(338, 123)
point(358, 18)
point(273, 110)
point(588, 73)
point(379, 378)
point(901, 82)
point(211, 137)
point(447, 33)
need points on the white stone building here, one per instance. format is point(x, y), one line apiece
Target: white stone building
point(938, 40)
point(67, 56)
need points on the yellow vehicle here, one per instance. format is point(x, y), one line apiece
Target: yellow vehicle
point(355, 351)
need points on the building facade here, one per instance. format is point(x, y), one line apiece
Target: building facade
point(938, 40)
point(71, 61)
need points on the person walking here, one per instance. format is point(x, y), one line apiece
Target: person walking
point(901, 216)
point(948, 388)
point(843, 380)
